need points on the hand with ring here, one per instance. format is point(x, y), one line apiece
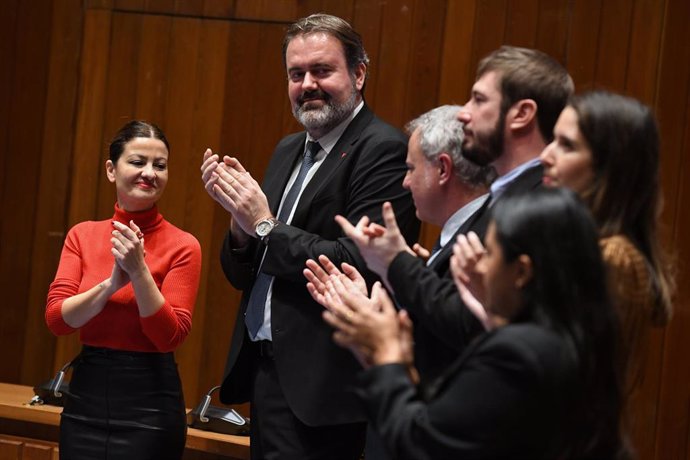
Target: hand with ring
point(128, 248)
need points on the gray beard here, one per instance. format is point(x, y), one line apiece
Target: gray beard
point(324, 119)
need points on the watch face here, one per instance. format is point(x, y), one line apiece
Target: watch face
point(264, 227)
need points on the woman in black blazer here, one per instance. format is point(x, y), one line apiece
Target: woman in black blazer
point(541, 383)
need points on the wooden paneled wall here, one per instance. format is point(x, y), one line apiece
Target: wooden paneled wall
point(209, 72)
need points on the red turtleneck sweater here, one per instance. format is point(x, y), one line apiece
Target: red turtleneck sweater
point(173, 257)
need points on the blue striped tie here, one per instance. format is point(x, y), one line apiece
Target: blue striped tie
point(254, 317)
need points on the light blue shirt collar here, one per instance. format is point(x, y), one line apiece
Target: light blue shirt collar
point(455, 221)
point(499, 185)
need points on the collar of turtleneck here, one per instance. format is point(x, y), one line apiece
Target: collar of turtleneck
point(147, 221)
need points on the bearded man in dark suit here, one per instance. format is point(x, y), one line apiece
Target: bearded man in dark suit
point(348, 162)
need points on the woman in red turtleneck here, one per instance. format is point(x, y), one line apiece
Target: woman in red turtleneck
point(128, 284)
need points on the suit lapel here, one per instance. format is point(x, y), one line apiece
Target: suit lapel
point(332, 162)
point(440, 263)
point(285, 160)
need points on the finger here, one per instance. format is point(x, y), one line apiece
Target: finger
point(317, 295)
point(347, 306)
point(224, 182)
point(353, 288)
point(337, 321)
point(311, 278)
point(405, 321)
point(229, 178)
point(209, 158)
point(346, 340)
point(475, 243)
point(332, 319)
point(347, 227)
point(382, 297)
point(234, 163)
point(241, 178)
point(126, 244)
point(374, 230)
point(207, 154)
point(225, 198)
point(351, 272)
point(315, 287)
point(389, 217)
point(341, 285)
point(471, 251)
point(316, 271)
point(466, 255)
point(119, 245)
point(460, 275)
point(118, 256)
point(137, 231)
point(208, 169)
point(339, 340)
point(421, 251)
point(208, 184)
point(128, 233)
point(328, 266)
point(362, 223)
point(333, 300)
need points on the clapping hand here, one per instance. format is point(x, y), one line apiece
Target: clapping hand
point(378, 244)
point(370, 327)
point(467, 252)
point(318, 274)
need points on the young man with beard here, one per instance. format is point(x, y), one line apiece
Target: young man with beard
point(348, 162)
point(515, 102)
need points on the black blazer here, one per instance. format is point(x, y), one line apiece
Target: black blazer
point(432, 354)
point(432, 299)
point(365, 168)
point(509, 396)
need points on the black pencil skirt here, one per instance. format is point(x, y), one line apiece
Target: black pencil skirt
point(123, 405)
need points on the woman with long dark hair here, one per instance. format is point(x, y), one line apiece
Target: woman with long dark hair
point(128, 285)
point(542, 383)
point(606, 148)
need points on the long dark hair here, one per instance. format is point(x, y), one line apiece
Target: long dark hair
point(624, 196)
point(132, 129)
point(568, 294)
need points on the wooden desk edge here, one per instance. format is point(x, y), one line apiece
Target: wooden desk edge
point(14, 405)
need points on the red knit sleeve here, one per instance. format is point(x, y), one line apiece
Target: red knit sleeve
point(169, 326)
point(65, 285)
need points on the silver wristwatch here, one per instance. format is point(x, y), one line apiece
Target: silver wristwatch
point(264, 227)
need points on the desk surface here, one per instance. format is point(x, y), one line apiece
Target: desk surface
point(14, 405)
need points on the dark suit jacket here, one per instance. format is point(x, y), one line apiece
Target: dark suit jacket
point(509, 396)
point(430, 295)
point(432, 354)
point(365, 168)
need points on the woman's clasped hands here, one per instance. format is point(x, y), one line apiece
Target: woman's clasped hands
point(128, 251)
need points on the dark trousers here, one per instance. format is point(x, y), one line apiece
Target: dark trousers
point(276, 433)
point(375, 449)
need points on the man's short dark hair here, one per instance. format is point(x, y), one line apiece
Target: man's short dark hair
point(355, 54)
point(530, 74)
